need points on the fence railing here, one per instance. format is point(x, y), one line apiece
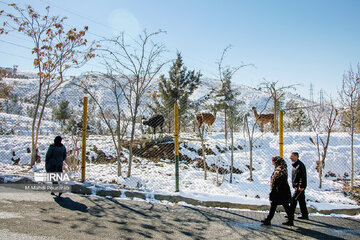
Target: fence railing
point(204, 161)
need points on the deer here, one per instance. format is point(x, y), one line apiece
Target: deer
point(155, 121)
point(205, 118)
point(263, 119)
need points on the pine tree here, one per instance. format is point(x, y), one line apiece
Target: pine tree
point(226, 99)
point(63, 112)
point(297, 118)
point(178, 87)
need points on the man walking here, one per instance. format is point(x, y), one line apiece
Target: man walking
point(299, 183)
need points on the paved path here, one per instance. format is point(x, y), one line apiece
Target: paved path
point(38, 215)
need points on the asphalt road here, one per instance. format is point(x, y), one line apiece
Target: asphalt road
point(38, 215)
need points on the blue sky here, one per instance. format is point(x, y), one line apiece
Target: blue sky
point(292, 42)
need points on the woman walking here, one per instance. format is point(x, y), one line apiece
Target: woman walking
point(279, 189)
point(54, 159)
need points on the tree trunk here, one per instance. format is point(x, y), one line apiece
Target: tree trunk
point(251, 161)
point(202, 129)
point(131, 146)
point(33, 137)
point(118, 149)
point(320, 174)
point(352, 158)
point(275, 118)
point(225, 129)
point(232, 151)
point(319, 159)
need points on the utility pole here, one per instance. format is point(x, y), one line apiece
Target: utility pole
point(311, 93)
point(321, 99)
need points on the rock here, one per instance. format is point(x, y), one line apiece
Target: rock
point(77, 188)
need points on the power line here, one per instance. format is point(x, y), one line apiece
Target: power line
point(86, 18)
point(295, 108)
point(10, 34)
point(76, 14)
point(15, 44)
point(4, 3)
point(14, 55)
point(111, 28)
point(107, 27)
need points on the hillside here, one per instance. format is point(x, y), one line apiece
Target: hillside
point(156, 174)
point(25, 90)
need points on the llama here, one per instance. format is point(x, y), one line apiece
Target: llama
point(155, 121)
point(204, 118)
point(263, 119)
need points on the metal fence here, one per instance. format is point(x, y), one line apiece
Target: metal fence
point(217, 161)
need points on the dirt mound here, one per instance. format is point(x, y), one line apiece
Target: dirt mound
point(101, 157)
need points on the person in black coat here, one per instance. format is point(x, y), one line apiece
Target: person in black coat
point(55, 156)
point(299, 183)
point(280, 190)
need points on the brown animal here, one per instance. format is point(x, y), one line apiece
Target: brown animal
point(206, 118)
point(263, 119)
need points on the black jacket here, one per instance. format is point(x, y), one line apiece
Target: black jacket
point(299, 175)
point(280, 192)
point(55, 155)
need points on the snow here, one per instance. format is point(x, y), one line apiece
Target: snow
point(159, 177)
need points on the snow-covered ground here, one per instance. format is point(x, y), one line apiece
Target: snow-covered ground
point(159, 177)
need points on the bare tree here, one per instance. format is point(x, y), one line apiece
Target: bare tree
point(226, 94)
point(55, 51)
point(322, 120)
point(201, 134)
point(137, 65)
point(227, 99)
point(249, 133)
point(350, 100)
point(111, 83)
point(276, 93)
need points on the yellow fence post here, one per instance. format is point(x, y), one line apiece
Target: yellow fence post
point(176, 142)
point(281, 133)
point(83, 153)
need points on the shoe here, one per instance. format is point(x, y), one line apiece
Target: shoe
point(265, 222)
point(60, 193)
point(52, 193)
point(288, 223)
point(303, 217)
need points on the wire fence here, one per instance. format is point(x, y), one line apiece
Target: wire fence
point(216, 160)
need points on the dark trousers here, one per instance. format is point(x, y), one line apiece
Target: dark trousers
point(53, 168)
point(273, 207)
point(299, 196)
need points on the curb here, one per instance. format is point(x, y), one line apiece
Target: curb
point(83, 190)
point(79, 189)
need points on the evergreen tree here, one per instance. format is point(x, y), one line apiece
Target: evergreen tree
point(226, 99)
point(297, 118)
point(178, 87)
point(346, 117)
point(63, 112)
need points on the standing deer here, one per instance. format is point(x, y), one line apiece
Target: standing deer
point(263, 119)
point(204, 118)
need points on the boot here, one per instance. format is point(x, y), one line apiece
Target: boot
point(289, 222)
point(265, 222)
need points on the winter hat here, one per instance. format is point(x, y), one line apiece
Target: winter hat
point(57, 140)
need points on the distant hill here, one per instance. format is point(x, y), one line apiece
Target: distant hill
point(27, 88)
